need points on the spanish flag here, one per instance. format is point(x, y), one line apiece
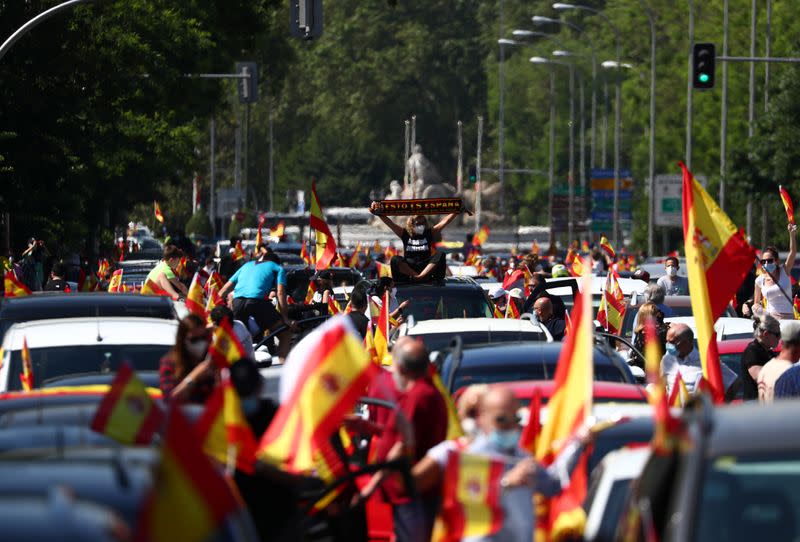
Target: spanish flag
point(471, 506)
point(238, 252)
point(679, 395)
point(481, 236)
point(382, 331)
point(718, 258)
point(189, 499)
point(26, 376)
point(312, 289)
point(384, 269)
point(115, 284)
point(612, 305)
point(225, 349)
point(497, 313)
point(665, 426)
point(453, 423)
point(326, 244)
point(279, 231)
point(223, 429)
point(568, 408)
point(512, 311)
point(259, 239)
point(322, 379)
point(353, 262)
point(127, 413)
point(530, 433)
point(157, 212)
point(12, 285)
point(196, 297)
point(333, 306)
point(787, 204)
point(150, 287)
point(304, 254)
point(577, 267)
point(607, 248)
point(214, 298)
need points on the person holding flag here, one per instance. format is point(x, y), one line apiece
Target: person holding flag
point(184, 372)
point(774, 285)
point(163, 274)
point(222, 312)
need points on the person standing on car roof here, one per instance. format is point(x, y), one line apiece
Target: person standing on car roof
point(772, 371)
point(767, 333)
point(774, 285)
point(420, 261)
point(671, 282)
point(252, 285)
point(163, 274)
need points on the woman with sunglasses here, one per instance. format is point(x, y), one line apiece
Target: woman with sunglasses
point(185, 374)
point(774, 286)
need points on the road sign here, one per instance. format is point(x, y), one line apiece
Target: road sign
point(305, 18)
point(247, 86)
point(602, 185)
point(668, 191)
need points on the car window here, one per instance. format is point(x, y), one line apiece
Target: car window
point(750, 497)
point(439, 303)
point(613, 510)
point(439, 341)
point(49, 363)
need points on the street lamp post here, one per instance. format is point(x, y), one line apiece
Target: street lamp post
point(618, 107)
point(652, 149)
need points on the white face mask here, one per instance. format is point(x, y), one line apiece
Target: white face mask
point(672, 271)
point(419, 229)
point(197, 349)
point(470, 427)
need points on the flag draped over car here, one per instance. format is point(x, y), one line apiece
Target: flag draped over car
point(717, 258)
point(322, 379)
point(326, 244)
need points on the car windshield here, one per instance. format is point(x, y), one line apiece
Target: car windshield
point(439, 303)
point(542, 371)
point(750, 498)
point(56, 362)
point(439, 341)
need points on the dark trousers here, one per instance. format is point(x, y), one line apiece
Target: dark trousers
point(438, 273)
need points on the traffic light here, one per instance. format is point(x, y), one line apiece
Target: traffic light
point(703, 60)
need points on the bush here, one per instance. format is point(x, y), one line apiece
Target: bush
point(199, 225)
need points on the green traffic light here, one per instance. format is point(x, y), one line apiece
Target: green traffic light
point(703, 77)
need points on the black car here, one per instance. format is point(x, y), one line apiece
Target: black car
point(50, 305)
point(455, 297)
point(736, 476)
point(512, 362)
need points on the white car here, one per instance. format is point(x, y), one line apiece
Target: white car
point(437, 334)
point(608, 489)
point(727, 328)
point(71, 346)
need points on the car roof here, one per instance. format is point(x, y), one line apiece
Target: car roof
point(58, 305)
point(628, 286)
point(752, 428)
point(519, 353)
point(87, 331)
point(451, 283)
point(523, 389)
point(625, 463)
point(466, 325)
point(733, 346)
point(725, 326)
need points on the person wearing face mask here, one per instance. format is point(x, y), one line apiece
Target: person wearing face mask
point(468, 408)
point(424, 409)
point(767, 333)
point(682, 357)
point(774, 285)
point(419, 261)
point(671, 282)
point(498, 436)
point(184, 372)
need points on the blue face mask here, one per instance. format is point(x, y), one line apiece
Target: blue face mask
point(770, 267)
point(250, 405)
point(505, 440)
point(672, 350)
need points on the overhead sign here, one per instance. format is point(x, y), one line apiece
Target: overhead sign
point(602, 185)
point(668, 190)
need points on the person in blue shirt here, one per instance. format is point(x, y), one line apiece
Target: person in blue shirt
point(252, 284)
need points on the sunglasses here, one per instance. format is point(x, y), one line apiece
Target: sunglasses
point(507, 420)
point(767, 260)
point(766, 331)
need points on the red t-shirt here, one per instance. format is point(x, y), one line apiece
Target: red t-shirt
point(425, 409)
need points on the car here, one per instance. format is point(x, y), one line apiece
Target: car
point(608, 487)
point(49, 305)
point(69, 346)
point(680, 305)
point(438, 334)
point(727, 328)
point(454, 297)
point(736, 476)
point(730, 353)
point(510, 362)
point(298, 278)
point(630, 287)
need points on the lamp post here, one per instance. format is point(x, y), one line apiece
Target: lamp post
point(581, 128)
point(539, 20)
point(617, 107)
point(652, 150)
point(571, 179)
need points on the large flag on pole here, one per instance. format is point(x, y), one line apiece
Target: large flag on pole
point(326, 244)
point(612, 305)
point(717, 258)
point(569, 408)
point(322, 378)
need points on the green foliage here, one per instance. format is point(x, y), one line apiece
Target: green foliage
point(199, 225)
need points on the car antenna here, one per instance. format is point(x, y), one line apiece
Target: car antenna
point(456, 345)
point(97, 322)
point(123, 480)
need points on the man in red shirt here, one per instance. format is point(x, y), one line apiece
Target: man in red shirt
point(418, 424)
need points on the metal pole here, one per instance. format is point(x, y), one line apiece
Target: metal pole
point(501, 116)
point(594, 112)
point(617, 144)
point(271, 160)
point(406, 155)
point(604, 139)
point(751, 106)
point(460, 172)
point(478, 186)
point(652, 150)
point(688, 157)
point(582, 146)
point(212, 201)
point(571, 179)
point(246, 155)
point(723, 129)
point(412, 150)
point(552, 151)
point(767, 47)
point(42, 17)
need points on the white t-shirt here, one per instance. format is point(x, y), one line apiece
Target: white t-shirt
point(691, 370)
point(777, 301)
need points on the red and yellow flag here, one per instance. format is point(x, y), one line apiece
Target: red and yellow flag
point(304, 254)
point(530, 433)
point(326, 244)
point(384, 269)
point(150, 287)
point(569, 408)
point(333, 306)
point(680, 393)
point(353, 261)
point(189, 499)
point(127, 413)
point(323, 377)
point(196, 297)
point(223, 429)
point(312, 289)
point(213, 280)
point(157, 212)
point(612, 305)
point(453, 423)
point(225, 349)
point(577, 268)
point(214, 298)
point(471, 505)
point(481, 236)
point(512, 311)
point(26, 376)
point(665, 426)
point(13, 286)
point(497, 313)
point(238, 252)
point(259, 238)
point(115, 284)
point(787, 204)
point(607, 248)
point(381, 340)
point(718, 258)
point(279, 230)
